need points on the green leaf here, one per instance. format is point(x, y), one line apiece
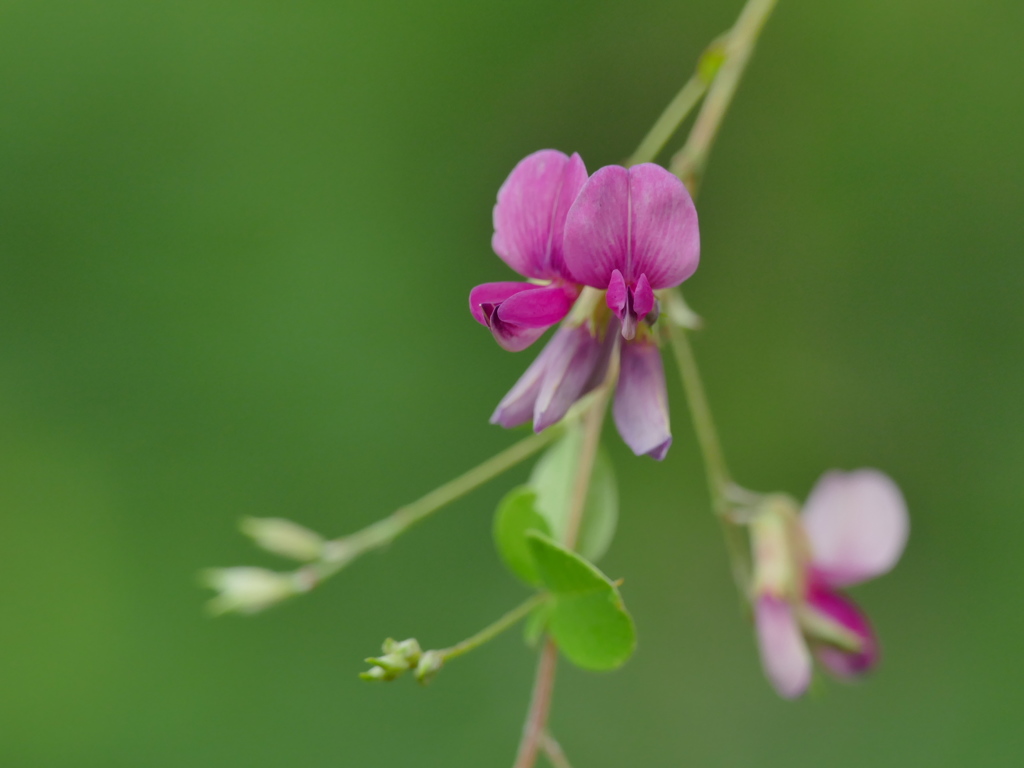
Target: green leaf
point(587, 618)
point(516, 515)
point(553, 479)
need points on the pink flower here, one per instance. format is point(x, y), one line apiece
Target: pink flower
point(630, 232)
point(854, 527)
point(529, 222)
point(624, 232)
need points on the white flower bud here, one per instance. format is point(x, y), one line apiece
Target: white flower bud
point(283, 537)
point(247, 590)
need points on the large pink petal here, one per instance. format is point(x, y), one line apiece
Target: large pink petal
point(597, 228)
point(641, 402)
point(784, 654)
point(639, 221)
point(490, 295)
point(844, 611)
point(857, 523)
point(529, 217)
point(666, 238)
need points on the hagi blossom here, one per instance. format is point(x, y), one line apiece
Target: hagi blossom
point(624, 233)
point(630, 232)
point(853, 527)
point(529, 222)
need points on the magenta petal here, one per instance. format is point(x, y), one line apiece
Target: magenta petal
point(857, 524)
point(643, 298)
point(666, 238)
point(538, 307)
point(843, 611)
point(567, 376)
point(784, 654)
point(491, 294)
point(618, 294)
point(529, 217)
point(641, 401)
point(517, 406)
point(639, 221)
point(597, 228)
point(514, 338)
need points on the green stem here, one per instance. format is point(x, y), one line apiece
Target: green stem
point(717, 472)
point(689, 163)
point(553, 751)
point(593, 422)
point(540, 705)
point(340, 552)
point(670, 120)
point(490, 632)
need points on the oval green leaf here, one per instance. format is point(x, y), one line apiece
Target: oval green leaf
point(587, 618)
point(516, 515)
point(553, 478)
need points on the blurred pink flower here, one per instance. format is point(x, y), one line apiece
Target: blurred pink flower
point(854, 527)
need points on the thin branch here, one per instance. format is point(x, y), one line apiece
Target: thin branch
point(689, 162)
point(540, 705)
point(553, 751)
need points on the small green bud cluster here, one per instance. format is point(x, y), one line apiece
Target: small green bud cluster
point(399, 657)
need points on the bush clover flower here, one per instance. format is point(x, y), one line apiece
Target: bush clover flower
point(854, 527)
point(529, 222)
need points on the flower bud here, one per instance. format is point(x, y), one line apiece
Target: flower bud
point(430, 664)
point(283, 537)
point(247, 590)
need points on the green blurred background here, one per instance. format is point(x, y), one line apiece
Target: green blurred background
point(236, 241)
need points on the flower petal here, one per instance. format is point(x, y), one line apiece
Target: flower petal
point(666, 237)
point(529, 217)
point(517, 406)
point(641, 402)
point(491, 294)
point(597, 228)
point(514, 338)
point(857, 524)
point(784, 654)
point(538, 307)
point(844, 611)
point(639, 221)
point(567, 376)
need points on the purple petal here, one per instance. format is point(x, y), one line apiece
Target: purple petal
point(643, 297)
point(617, 297)
point(513, 338)
point(857, 524)
point(641, 402)
point(567, 376)
point(784, 654)
point(843, 611)
point(639, 221)
point(517, 406)
point(492, 294)
point(666, 238)
point(538, 307)
point(529, 217)
point(597, 228)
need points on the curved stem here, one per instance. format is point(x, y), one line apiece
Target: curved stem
point(670, 120)
point(719, 484)
point(540, 705)
point(689, 162)
point(544, 684)
point(593, 422)
point(340, 552)
point(553, 751)
point(490, 632)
